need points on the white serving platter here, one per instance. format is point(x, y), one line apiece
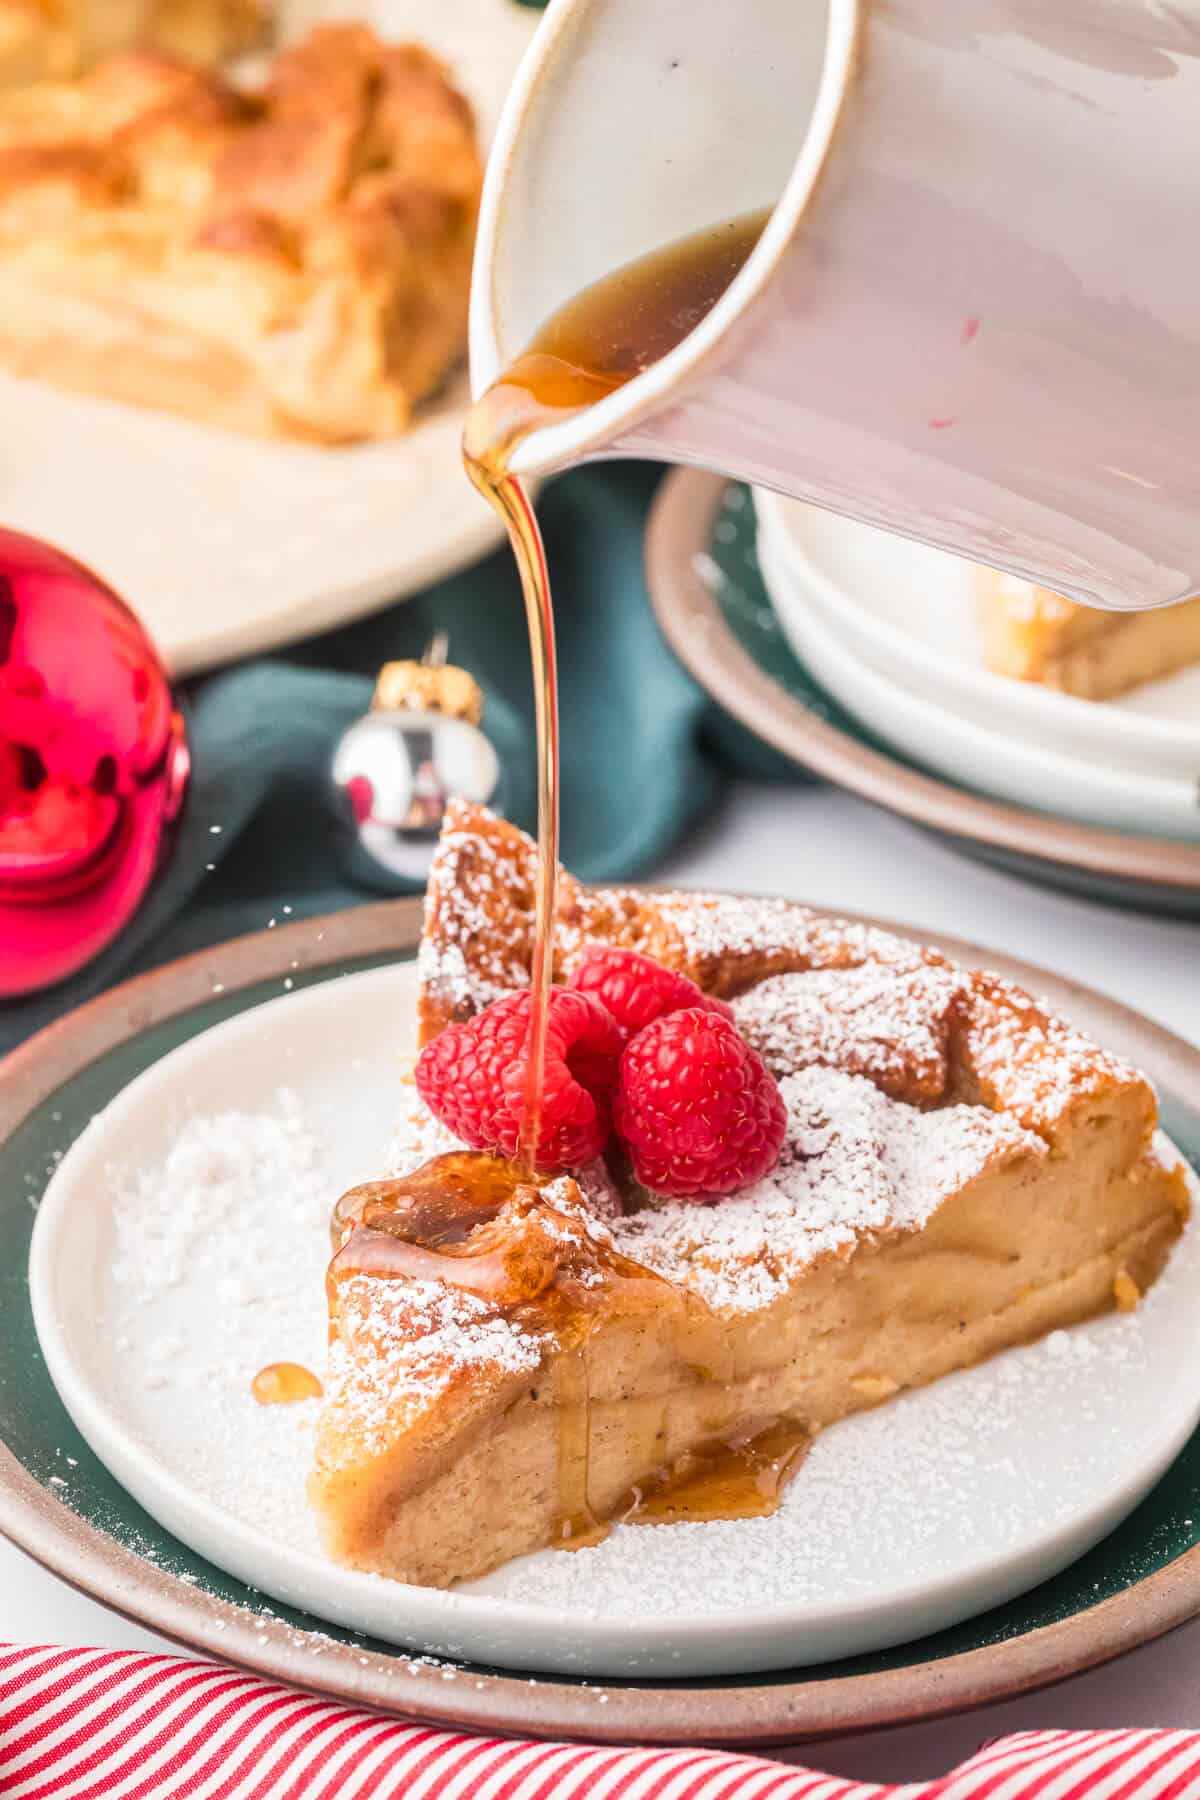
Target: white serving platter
point(226, 545)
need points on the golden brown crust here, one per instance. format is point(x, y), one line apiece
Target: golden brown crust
point(309, 246)
point(1003, 1050)
point(56, 39)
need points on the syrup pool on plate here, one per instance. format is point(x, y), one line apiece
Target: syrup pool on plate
point(283, 1383)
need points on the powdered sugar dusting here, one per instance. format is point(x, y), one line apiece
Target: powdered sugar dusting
point(412, 1341)
point(418, 1136)
point(891, 1025)
point(865, 1000)
point(166, 1217)
point(1032, 1063)
point(477, 942)
point(929, 1484)
point(855, 1165)
point(218, 1268)
point(717, 926)
point(478, 938)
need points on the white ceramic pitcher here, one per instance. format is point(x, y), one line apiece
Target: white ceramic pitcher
point(974, 315)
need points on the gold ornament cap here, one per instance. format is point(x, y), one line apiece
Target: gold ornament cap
point(431, 685)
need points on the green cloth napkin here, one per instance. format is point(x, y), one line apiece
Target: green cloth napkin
point(642, 753)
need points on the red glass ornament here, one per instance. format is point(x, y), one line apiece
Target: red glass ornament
point(93, 764)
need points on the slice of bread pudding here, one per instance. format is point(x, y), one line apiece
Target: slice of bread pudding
point(511, 1363)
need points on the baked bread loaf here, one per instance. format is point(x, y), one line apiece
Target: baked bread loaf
point(289, 263)
point(52, 39)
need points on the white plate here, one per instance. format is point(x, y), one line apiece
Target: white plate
point(983, 755)
point(225, 545)
point(909, 611)
point(933, 1508)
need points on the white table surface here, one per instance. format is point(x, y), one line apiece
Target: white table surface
point(823, 846)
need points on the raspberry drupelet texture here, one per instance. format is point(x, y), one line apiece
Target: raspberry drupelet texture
point(473, 1077)
point(696, 1107)
point(636, 990)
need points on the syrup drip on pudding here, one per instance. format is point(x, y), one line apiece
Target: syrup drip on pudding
point(441, 1202)
point(475, 1223)
point(536, 1264)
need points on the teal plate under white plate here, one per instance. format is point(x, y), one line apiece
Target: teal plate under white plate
point(59, 1501)
point(715, 611)
point(182, 1244)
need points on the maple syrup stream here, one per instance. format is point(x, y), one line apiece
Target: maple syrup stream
point(435, 1223)
point(602, 338)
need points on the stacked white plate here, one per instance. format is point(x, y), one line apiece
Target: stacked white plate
point(888, 627)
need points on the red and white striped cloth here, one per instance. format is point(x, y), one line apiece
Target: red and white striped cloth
point(116, 1725)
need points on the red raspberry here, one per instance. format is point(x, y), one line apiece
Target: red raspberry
point(473, 1077)
point(636, 989)
point(697, 1109)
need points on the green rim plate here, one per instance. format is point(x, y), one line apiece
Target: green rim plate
point(59, 1502)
